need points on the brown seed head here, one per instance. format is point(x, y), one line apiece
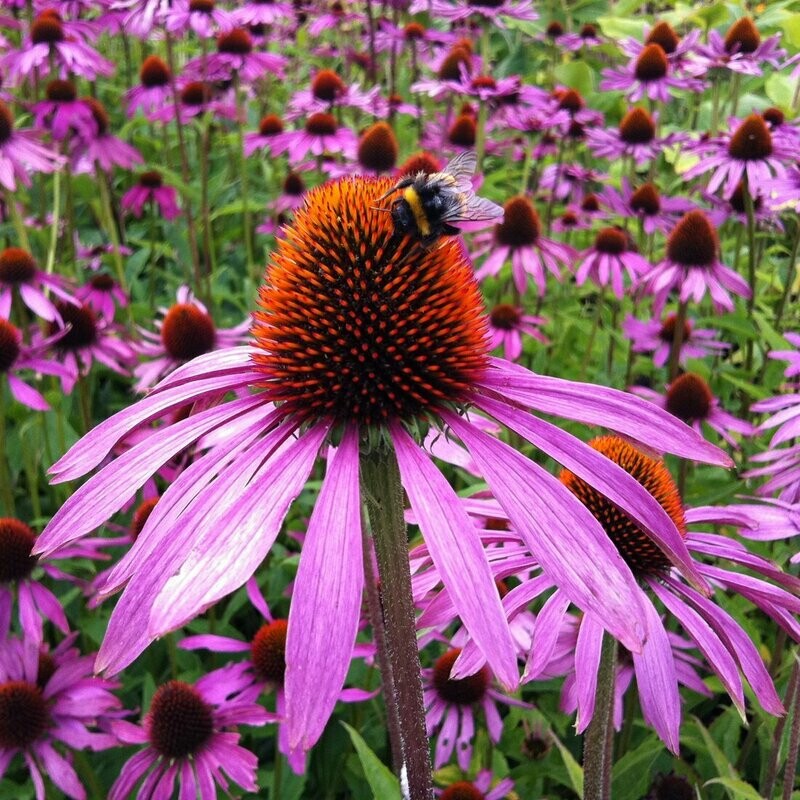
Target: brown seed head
point(327, 86)
point(459, 691)
point(520, 226)
point(689, 398)
point(187, 332)
point(742, 37)
point(16, 266)
point(463, 131)
point(180, 721)
point(637, 127)
point(16, 543)
point(154, 72)
point(693, 241)
point(751, 141)
point(47, 29)
point(268, 651)
point(646, 200)
point(237, 42)
point(24, 715)
point(611, 240)
point(664, 35)
point(61, 91)
point(378, 148)
point(652, 64)
point(505, 316)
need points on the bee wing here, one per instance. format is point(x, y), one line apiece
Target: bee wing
point(473, 209)
point(461, 168)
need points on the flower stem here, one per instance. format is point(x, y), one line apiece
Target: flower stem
point(752, 264)
point(790, 275)
point(17, 221)
point(793, 713)
point(246, 221)
point(383, 491)
point(6, 487)
point(597, 747)
point(677, 342)
point(790, 701)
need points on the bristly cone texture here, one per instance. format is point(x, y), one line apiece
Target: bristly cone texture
point(639, 551)
point(359, 322)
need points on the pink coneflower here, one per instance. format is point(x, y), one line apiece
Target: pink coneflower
point(262, 12)
point(62, 113)
point(195, 98)
point(572, 181)
point(102, 150)
point(692, 267)
point(150, 188)
point(16, 356)
point(646, 203)
point(334, 15)
point(679, 49)
point(185, 331)
point(723, 642)
point(634, 138)
point(235, 56)
point(48, 699)
point(648, 74)
point(21, 153)
point(139, 17)
point(451, 705)
point(734, 207)
point(740, 50)
point(479, 789)
point(89, 338)
point(47, 46)
point(487, 11)
point(293, 192)
point(154, 90)
point(360, 333)
point(657, 335)
point(200, 16)
point(102, 294)
point(327, 92)
point(606, 261)
point(269, 128)
point(690, 398)
point(588, 36)
point(321, 134)
point(748, 151)
point(792, 356)
point(20, 275)
point(267, 662)
point(507, 323)
point(189, 736)
point(519, 238)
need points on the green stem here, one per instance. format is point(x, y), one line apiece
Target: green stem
point(677, 342)
point(111, 227)
point(246, 220)
point(790, 275)
point(790, 701)
point(383, 491)
point(51, 250)
point(790, 768)
point(17, 221)
point(752, 264)
point(85, 403)
point(6, 486)
point(597, 750)
point(480, 134)
point(277, 775)
point(598, 313)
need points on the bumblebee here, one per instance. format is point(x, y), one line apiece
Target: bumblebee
point(432, 205)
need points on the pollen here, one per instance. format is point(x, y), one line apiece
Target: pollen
point(646, 200)
point(47, 29)
point(321, 124)
point(6, 123)
point(521, 226)
point(612, 241)
point(689, 398)
point(663, 34)
point(463, 131)
point(187, 332)
point(751, 141)
point(327, 86)
point(459, 691)
point(16, 542)
point(180, 722)
point(82, 324)
point(462, 790)
point(154, 72)
point(693, 241)
point(742, 37)
point(141, 515)
point(360, 322)
point(637, 127)
point(505, 317)
point(24, 716)
point(268, 651)
point(638, 550)
point(652, 64)
point(9, 345)
point(237, 42)
point(270, 125)
point(61, 91)
point(378, 148)
point(667, 331)
point(151, 179)
point(16, 266)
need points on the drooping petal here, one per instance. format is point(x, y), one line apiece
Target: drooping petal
point(326, 601)
point(587, 662)
point(456, 551)
point(561, 533)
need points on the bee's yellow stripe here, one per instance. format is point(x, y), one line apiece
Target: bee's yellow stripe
point(411, 196)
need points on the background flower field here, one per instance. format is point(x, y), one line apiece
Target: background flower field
point(200, 251)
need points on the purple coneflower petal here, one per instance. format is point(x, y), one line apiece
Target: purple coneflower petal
point(456, 551)
point(326, 603)
point(587, 663)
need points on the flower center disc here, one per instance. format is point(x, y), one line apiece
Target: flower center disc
point(637, 127)
point(23, 714)
point(187, 332)
point(461, 691)
point(652, 64)
point(664, 35)
point(505, 317)
point(751, 141)
point(378, 149)
point(689, 398)
point(154, 72)
point(16, 543)
point(693, 241)
point(639, 551)
point(360, 322)
point(6, 123)
point(83, 330)
point(463, 790)
point(268, 651)
point(16, 266)
point(646, 200)
point(520, 225)
point(612, 241)
point(9, 350)
point(180, 722)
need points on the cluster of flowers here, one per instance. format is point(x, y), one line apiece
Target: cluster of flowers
point(365, 342)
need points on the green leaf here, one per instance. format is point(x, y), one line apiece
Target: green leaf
point(383, 783)
point(574, 769)
point(723, 767)
point(576, 75)
point(780, 90)
point(632, 774)
point(616, 28)
point(741, 789)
